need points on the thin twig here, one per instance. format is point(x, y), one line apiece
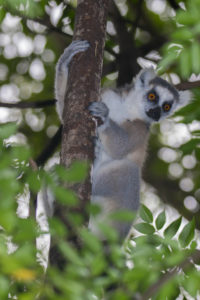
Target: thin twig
point(45, 103)
point(33, 165)
point(33, 196)
point(26, 104)
point(188, 85)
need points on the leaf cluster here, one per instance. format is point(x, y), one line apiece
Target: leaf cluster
point(183, 50)
point(92, 268)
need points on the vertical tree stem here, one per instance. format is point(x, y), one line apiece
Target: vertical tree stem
point(83, 87)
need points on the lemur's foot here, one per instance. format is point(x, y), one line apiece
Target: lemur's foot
point(74, 48)
point(77, 46)
point(99, 109)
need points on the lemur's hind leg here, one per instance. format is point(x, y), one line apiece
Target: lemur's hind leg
point(62, 71)
point(74, 48)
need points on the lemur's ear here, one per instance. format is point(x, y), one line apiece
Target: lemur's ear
point(185, 97)
point(144, 77)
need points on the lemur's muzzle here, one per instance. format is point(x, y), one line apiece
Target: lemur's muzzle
point(154, 113)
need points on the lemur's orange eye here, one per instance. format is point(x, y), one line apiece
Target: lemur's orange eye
point(151, 96)
point(166, 107)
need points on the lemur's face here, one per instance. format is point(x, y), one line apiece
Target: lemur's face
point(161, 99)
point(153, 98)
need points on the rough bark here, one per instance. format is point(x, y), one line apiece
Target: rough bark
point(84, 83)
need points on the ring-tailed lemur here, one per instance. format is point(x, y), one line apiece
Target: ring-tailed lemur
point(126, 114)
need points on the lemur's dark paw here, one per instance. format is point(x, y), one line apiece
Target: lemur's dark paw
point(99, 109)
point(94, 139)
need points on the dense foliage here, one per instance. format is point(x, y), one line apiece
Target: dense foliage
point(161, 260)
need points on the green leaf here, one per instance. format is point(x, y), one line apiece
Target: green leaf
point(25, 254)
point(57, 228)
point(160, 220)
point(188, 147)
point(196, 28)
point(2, 14)
point(7, 130)
point(71, 253)
point(172, 229)
point(120, 295)
point(77, 172)
point(28, 7)
point(168, 291)
point(33, 181)
point(65, 196)
point(197, 153)
point(191, 283)
point(167, 60)
point(98, 264)
point(76, 219)
point(123, 215)
point(90, 240)
point(186, 18)
point(4, 287)
point(184, 63)
point(175, 257)
point(146, 214)
point(27, 230)
point(187, 234)
point(94, 209)
point(144, 228)
point(108, 232)
point(193, 245)
point(21, 153)
point(195, 56)
point(182, 34)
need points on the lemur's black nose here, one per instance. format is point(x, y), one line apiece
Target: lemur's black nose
point(154, 113)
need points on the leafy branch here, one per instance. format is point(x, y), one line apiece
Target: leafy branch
point(184, 265)
point(42, 21)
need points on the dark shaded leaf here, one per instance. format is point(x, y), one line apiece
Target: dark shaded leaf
point(160, 220)
point(187, 234)
point(190, 146)
point(144, 228)
point(146, 214)
point(172, 229)
point(7, 130)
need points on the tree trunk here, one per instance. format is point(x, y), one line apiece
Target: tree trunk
point(83, 87)
point(84, 82)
